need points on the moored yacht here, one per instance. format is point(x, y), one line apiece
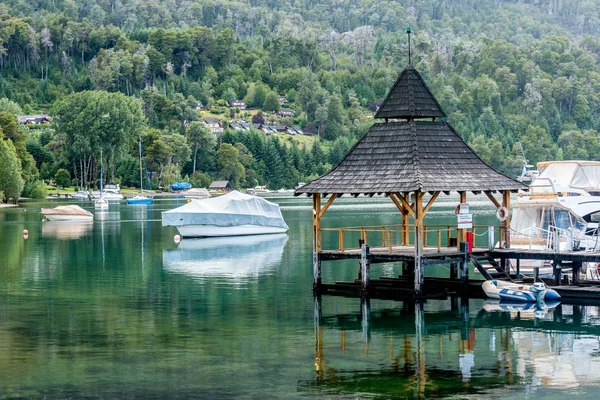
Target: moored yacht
point(560, 212)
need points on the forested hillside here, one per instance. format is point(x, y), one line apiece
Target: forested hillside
point(514, 77)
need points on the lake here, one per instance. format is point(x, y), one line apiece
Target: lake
point(116, 309)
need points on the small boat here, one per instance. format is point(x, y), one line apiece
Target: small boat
point(177, 186)
point(261, 189)
point(197, 193)
point(140, 199)
point(101, 203)
point(233, 214)
point(81, 195)
point(70, 213)
point(510, 291)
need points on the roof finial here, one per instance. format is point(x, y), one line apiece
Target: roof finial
point(408, 32)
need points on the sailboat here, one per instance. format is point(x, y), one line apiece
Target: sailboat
point(140, 199)
point(101, 203)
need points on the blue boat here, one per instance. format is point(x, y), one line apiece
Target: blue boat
point(177, 186)
point(516, 292)
point(140, 200)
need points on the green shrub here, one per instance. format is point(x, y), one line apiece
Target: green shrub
point(35, 190)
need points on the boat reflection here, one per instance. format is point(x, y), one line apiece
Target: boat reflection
point(66, 230)
point(231, 257)
point(443, 349)
point(522, 310)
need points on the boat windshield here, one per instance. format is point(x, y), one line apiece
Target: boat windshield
point(539, 220)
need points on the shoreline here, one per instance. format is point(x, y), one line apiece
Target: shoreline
point(2, 205)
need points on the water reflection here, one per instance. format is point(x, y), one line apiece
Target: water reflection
point(66, 230)
point(232, 257)
point(449, 348)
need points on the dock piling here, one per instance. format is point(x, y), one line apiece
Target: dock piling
point(464, 264)
point(365, 266)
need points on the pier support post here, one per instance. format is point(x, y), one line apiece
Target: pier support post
point(365, 314)
point(453, 269)
point(316, 271)
point(576, 270)
point(557, 270)
point(365, 266)
point(464, 264)
point(419, 243)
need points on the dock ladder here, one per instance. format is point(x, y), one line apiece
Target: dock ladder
point(489, 267)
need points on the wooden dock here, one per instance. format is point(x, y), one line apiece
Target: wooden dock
point(458, 283)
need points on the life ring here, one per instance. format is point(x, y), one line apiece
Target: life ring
point(502, 214)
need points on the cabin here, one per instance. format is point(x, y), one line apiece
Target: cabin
point(282, 100)
point(238, 104)
point(215, 125)
point(36, 119)
point(220, 186)
point(411, 155)
point(199, 106)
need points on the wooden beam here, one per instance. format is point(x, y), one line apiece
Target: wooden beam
point(406, 205)
point(492, 198)
point(317, 221)
point(506, 223)
point(326, 206)
point(430, 203)
point(397, 202)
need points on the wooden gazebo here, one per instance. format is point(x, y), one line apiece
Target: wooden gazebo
point(409, 153)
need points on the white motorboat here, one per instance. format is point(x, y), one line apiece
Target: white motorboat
point(101, 204)
point(70, 213)
point(81, 195)
point(510, 291)
point(233, 214)
point(560, 212)
point(108, 194)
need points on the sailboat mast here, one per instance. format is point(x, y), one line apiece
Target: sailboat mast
point(101, 194)
point(141, 178)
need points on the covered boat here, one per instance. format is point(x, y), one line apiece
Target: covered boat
point(233, 214)
point(510, 291)
point(177, 186)
point(70, 213)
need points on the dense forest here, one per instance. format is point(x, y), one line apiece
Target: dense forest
point(517, 79)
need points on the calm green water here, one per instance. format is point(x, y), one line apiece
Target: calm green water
point(115, 309)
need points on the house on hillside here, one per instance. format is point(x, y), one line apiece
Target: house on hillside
point(285, 112)
point(282, 100)
point(238, 103)
point(220, 185)
point(215, 125)
point(35, 119)
point(199, 106)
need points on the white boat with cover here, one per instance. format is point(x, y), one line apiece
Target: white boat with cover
point(71, 213)
point(510, 291)
point(233, 214)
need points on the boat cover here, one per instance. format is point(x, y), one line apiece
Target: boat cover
point(66, 210)
point(181, 186)
point(232, 209)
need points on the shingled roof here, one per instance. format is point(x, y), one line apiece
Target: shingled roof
point(410, 98)
point(411, 155)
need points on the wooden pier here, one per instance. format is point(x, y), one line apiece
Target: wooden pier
point(412, 156)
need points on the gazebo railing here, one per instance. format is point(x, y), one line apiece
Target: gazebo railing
point(389, 236)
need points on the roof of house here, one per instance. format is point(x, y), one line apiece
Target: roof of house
point(34, 119)
point(410, 155)
point(219, 184)
point(410, 98)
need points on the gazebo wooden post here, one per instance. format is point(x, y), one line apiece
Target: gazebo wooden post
point(418, 242)
point(316, 241)
point(506, 223)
